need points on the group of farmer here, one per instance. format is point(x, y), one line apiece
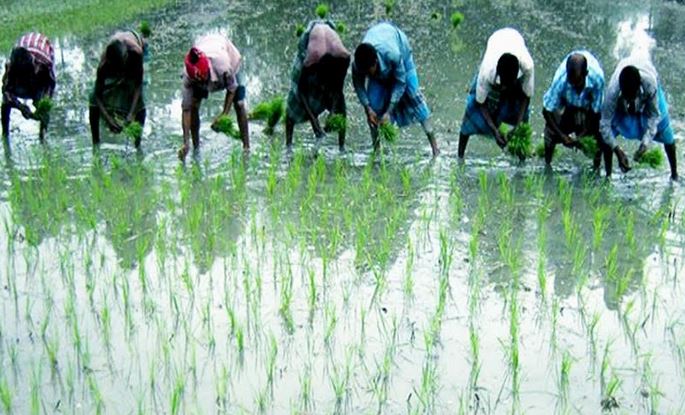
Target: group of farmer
point(579, 103)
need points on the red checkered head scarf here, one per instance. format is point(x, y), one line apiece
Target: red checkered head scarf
point(197, 65)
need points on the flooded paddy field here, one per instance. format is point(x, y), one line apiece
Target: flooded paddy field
point(318, 282)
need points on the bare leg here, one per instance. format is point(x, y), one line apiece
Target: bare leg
point(6, 108)
point(375, 141)
point(140, 118)
point(289, 130)
point(463, 141)
point(428, 129)
point(195, 126)
point(94, 116)
point(672, 160)
point(241, 113)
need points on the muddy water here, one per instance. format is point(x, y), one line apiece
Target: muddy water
point(120, 294)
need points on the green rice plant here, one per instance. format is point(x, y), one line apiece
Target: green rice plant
point(564, 375)
point(341, 28)
point(456, 19)
point(653, 158)
point(331, 321)
point(519, 142)
point(299, 29)
point(240, 340)
point(389, 6)
point(388, 132)
point(225, 124)
point(145, 29)
point(35, 391)
point(270, 111)
point(43, 108)
point(588, 146)
point(133, 130)
point(322, 11)
point(271, 360)
point(336, 123)
point(177, 395)
point(475, 357)
point(599, 225)
point(609, 401)
point(6, 396)
point(408, 285)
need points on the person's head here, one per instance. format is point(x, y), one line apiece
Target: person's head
point(366, 59)
point(197, 65)
point(332, 71)
point(22, 64)
point(116, 54)
point(629, 80)
point(508, 69)
point(576, 71)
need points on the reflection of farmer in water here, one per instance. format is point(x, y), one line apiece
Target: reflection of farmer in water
point(117, 97)
point(29, 74)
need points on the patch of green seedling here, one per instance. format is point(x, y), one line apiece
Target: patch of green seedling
point(389, 6)
point(145, 28)
point(299, 29)
point(341, 28)
point(270, 111)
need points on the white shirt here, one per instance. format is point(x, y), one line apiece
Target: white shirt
point(503, 41)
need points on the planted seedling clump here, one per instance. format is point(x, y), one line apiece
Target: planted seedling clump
point(269, 111)
point(519, 143)
point(653, 158)
point(225, 124)
point(299, 29)
point(588, 146)
point(341, 28)
point(43, 108)
point(388, 132)
point(336, 123)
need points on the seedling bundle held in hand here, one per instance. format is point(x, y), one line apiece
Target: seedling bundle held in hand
point(269, 111)
point(133, 130)
point(43, 108)
point(652, 158)
point(388, 132)
point(588, 146)
point(519, 143)
point(225, 124)
point(336, 123)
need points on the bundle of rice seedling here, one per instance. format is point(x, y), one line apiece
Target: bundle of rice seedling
point(145, 29)
point(133, 130)
point(322, 11)
point(588, 146)
point(43, 108)
point(336, 123)
point(225, 124)
point(520, 144)
point(299, 29)
point(341, 28)
point(456, 19)
point(653, 158)
point(270, 111)
point(388, 132)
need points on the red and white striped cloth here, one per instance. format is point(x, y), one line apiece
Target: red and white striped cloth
point(39, 45)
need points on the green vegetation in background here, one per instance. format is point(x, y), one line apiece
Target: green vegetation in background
point(77, 17)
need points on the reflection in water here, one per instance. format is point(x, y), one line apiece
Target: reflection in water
point(632, 38)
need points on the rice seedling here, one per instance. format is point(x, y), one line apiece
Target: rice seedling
point(145, 29)
point(226, 125)
point(133, 130)
point(456, 19)
point(389, 6)
point(6, 396)
point(341, 28)
point(322, 11)
point(564, 376)
point(43, 108)
point(270, 111)
point(299, 29)
point(388, 132)
point(336, 123)
point(652, 158)
point(519, 143)
point(588, 146)
point(177, 395)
